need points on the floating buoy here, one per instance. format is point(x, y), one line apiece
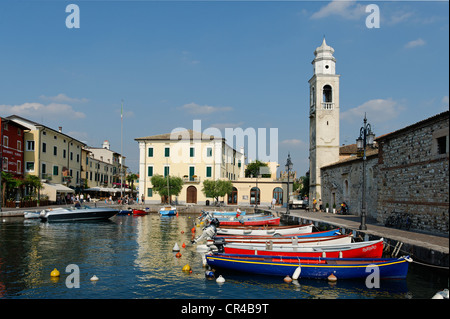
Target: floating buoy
point(186, 268)
point(297, 273)
point(184, 245)
point(94, 278)
point(209, 274)
point(220, 280)
point(204, 261)
point(54, 273)
point(175, 247)
point(193, 230)
point(287, 279)
point(332, 278)
point(178, 255)
point(182, 231)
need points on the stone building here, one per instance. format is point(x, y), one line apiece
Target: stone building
point(414, 174)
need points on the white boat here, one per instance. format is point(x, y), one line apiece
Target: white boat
point(168, 211)
point(264, 230)
point(74, 213)
point(31, 215)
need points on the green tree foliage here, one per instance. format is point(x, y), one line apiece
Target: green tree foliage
point(214, 189)
point(253, 169)
point(160, 186)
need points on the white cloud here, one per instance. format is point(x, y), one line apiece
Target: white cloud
point(194, 108)
point(62, 98)
point(377, 110)
point(415, 43)
point(349, 10)
point(293, 142)
point(34, 110)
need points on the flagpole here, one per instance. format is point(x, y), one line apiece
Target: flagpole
point(121, 151)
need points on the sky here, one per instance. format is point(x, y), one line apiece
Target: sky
point(229, 64)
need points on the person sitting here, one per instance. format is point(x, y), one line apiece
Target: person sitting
point(77, 204)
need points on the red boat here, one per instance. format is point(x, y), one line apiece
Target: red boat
point(139, 212)
point(271, 220)
point(369, 249)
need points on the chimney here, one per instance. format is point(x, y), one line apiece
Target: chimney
point(60, 129)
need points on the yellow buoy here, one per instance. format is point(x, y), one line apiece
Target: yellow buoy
point(332, 278)
point(54, 273)
point(187, 268)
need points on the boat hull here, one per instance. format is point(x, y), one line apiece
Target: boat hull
point(334, 232)
point(327, 240)
point(373, 249)
point(78, 214)
point(139, 212)
point(251, 222)
point(316, 268)
point(264, 231)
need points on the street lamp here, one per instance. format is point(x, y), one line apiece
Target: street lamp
point(288, 167)
point(366, 137)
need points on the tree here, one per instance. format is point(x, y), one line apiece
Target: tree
point(254, 169)
point(160, 186)
point(304, 191)
point(34, 183)
point(214, 189)
point(8, 184)
point(130, 179)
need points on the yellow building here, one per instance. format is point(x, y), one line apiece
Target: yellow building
point(53, 156)
point(190, 155)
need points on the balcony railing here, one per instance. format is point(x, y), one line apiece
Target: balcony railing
point(191, 179)
point(327, 105)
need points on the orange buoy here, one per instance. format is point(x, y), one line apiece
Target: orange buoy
point(332, 278)
point(182, 231)
point(287, 279)
point(193, 230)
point(178, 255)
point(184, 245)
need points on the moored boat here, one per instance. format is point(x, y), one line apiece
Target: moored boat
point(325, 233)
point(77, 213)
point(222, 213)
point(139, 212)
point(317, 268)
point(369, 249)
point(168, 211)
point(258, 231)
point(31, 215)
point(260, 221)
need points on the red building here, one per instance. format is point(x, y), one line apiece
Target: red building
point(11, 147)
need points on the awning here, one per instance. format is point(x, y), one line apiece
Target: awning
point(51, 190)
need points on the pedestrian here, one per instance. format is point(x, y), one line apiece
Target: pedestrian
point(320, 205)
point(314, 204)
point(274, 201)
point(142, 199)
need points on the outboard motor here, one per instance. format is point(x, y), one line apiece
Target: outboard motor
point(219, 242)
point(208, 232)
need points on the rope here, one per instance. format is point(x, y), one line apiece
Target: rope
point(398, 250)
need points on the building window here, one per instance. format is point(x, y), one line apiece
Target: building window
point(167, 152)
point(209, 152)
point(255, 196)
point(208, 171)
point(149, 192)
point(5, 141)
point(442, 145)
point(44, 168)
point(5, 164)
point(150, 171)
point(29, 166)
point(30, 145)
point(166, 170)
point(278, 195)
point(44, 147)
point(55, 170)
point(55, 150)
point(192, 152)
point(19, 145)
point(19, 167)
point(150, 152)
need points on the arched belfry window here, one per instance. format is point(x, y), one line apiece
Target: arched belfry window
point(327, 99)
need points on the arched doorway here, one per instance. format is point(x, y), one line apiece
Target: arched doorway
point(191, 195)
point(278, 195)
point(232, 198)
point(255, 196)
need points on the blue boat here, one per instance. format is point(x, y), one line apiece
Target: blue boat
point(168, 211)
point(315, 268)
point(220, 214)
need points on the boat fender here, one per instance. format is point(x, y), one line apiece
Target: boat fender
point(175, 247)
point(297, 272)
point(186, 268)
point(184, 245)
point(287, 279)
point(54, 273)
point(332, 277)
point(178, 255)
point(204, 261)
point(94, 278)
point(340, 254)
point(220, 280)
point(441, 294)
point(209, 274)
point(193, 230)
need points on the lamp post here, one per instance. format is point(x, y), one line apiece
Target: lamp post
point(366, 137)
point(288, 167)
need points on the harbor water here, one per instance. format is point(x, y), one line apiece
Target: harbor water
point(132, 258)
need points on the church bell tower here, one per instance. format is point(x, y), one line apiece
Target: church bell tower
point(323, 117)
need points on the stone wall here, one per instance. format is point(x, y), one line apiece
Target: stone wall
point(343, 182)
point(414, 177)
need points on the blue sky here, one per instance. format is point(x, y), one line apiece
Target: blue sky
point(228, 63)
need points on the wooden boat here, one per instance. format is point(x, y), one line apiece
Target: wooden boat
point(325, 233)
point(368, 249)
point(139, 212)
point(269, 230)
point(327, 240)
point(260, 221)
point(318, 268)
point(77, 213)
point(222, 213)
point(168, 211)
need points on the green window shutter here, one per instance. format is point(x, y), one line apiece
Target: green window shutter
point(166, 171)
point(150, 152)
point(150, 171)
point(167, 152)
point(192, 152)
point(149, 192)
point(208, 171)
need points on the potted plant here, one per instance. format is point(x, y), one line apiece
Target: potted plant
point(334, 208)
point(327, 207)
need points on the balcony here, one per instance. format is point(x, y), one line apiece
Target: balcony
point(327, 105)
point(191, 179)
